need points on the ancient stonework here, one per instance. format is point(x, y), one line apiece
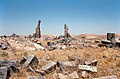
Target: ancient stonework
point(66, 33)
point(110, 36)
point(37, 34)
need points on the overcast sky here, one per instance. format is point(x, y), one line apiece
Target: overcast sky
point(81, 16)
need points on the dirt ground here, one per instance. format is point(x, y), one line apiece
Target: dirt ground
point(108, 60)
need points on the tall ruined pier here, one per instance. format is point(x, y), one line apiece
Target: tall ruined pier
point(37, 34)
point(66, 33)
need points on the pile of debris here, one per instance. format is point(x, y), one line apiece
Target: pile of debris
point(18, 43)
point(3, 44)
point(111, 42)
point(7, 68)
point(63, 69)
point(73, 68)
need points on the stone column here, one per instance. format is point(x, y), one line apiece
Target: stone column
point(66, 33)
point(38, 32)
point(65, 30)
point(111, 37)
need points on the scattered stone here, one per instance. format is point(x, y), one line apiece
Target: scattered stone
point(31, 60)
point(50, 66)
point(69, 64)
point(79, 60)
point(55, 76)
point(62, 47)
point(46, 58)
point(92, 63)
point(107, 77)
point(3, 72)
point(87, 68)
point(51, 46)
point(30, 69)
point(106, 42)
point(38, 46)
point(74, 75)
point(62, 66)
point(40, 71)
point(36, 77)
point(12, 65)
point(84, 74)
point(22, 61)
point(62, 76)
point(3, 47)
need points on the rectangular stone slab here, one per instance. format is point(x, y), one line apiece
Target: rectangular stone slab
point(87, 68)
point(49, 66)
point(107, 77)
point(29, 59)
point(68, 63)
point(92, 62)
point(36, 77)
point(3, 72)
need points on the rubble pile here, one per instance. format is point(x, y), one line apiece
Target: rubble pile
point(111, 42)
point(62, 64)
point(31, 44)
point(69, 69)
point(3, 44)
point(7, 68)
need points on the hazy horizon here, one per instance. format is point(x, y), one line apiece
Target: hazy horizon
point(81, 16)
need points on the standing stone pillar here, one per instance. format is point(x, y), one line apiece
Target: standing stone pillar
point(65, 30)
point(66, 34)
point(38, 32)
point(111, 37)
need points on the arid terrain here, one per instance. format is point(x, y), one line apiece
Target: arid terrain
point(108, 59)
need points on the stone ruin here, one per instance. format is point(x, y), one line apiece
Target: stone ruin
point(110, 36)
point(66, 33)
point(110, 41)
point(68, 69)
point(37, 34)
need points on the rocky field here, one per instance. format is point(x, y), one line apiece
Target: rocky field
point(27, 58)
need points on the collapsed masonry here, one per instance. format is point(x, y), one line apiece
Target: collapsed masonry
point(66, 33)
point(7, 68)
point(73, 68)
point(111, 41)
point(37, 34)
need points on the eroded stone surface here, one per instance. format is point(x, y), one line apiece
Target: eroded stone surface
point(3, 72)
point(87, 68)
point(107, 77)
